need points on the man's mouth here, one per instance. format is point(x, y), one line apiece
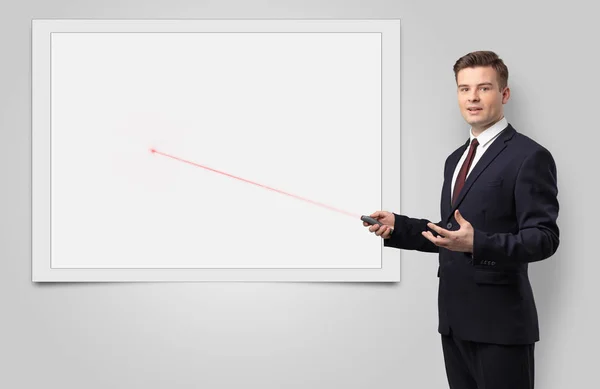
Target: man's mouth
point(474, 109)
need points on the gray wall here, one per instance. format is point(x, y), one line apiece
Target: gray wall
point(316, 335)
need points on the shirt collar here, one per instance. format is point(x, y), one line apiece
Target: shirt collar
point(491, 133)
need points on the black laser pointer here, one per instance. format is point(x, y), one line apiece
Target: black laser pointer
point(370, 221)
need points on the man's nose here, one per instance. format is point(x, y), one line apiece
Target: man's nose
point(474, 96)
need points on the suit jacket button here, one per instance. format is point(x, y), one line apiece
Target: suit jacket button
point(449, 225)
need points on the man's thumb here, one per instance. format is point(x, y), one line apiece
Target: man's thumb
point(458, 216)
point(376, 215)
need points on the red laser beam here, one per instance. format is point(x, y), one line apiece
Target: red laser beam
point(154, 151)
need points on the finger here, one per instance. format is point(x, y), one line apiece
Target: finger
point(382, 230)
point(374, 228)
point(428, 235)
point(377, 214)
point(388, 233)
point(366, 224)
point(460, 219)
point(442, 242)
point(438, 229)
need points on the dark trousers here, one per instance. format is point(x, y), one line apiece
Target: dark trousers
point(472, 365)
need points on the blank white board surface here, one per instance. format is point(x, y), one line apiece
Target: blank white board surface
point(211, 150)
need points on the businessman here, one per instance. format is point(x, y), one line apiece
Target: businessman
point(498, 208)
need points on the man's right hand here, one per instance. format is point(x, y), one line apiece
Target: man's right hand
point(387, 219)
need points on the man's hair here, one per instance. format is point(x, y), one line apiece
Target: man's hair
point(483, 58)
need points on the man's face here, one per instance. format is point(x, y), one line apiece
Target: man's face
point(480, 98)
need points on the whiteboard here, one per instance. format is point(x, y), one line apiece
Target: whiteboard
point(213, 150)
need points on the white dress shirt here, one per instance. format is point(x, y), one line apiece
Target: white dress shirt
point(485, 139)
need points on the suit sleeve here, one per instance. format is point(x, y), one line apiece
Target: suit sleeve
point(407, 235)
point(536, 206)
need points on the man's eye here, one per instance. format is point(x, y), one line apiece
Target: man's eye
point(485, 88)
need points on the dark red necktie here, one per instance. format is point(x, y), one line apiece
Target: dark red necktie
point(462, 174)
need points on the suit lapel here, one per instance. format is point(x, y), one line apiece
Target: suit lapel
point(495, 148)
point(455, 158)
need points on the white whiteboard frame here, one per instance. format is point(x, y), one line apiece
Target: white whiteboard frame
point(41, 177)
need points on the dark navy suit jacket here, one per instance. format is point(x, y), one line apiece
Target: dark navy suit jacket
point(510, 199)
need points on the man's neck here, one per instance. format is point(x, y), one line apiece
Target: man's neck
point(476, 131)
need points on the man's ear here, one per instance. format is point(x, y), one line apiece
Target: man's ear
point(505, 95)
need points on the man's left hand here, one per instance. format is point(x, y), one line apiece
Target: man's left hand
point(460, 240)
